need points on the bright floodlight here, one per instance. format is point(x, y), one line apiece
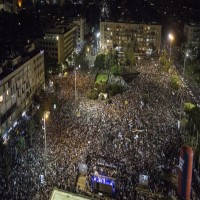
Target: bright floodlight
point(171, 37)
point(23, 114)
point(98, 34)
point(46, 114)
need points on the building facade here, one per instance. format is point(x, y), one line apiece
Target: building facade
point(8, 6)
point(143, 36)
point(81, 23)
point(192, 34)
point(20, 79)
point(58, 43)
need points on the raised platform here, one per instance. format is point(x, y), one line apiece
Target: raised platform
point(81, 182)
point(63, 195)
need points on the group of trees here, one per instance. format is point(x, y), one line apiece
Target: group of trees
point(100, 88)
point(166, 65)
point(192, 130)
point(130, 55)
point(114, 60)
point(190, 121)
point(192, 61)
point(175, 82)
point(192, 114)
point(191, 118)
point(192, 68)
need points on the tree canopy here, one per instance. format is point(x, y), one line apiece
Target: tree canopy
point(99, 62)
point(175, 82)
point(130, 55)
point(116, 70)
point(165, 63)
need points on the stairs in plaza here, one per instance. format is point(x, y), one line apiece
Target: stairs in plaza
point(81, 182)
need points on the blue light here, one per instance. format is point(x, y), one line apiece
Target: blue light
point(104, 180)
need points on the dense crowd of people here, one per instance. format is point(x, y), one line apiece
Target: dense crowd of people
point(138, 128)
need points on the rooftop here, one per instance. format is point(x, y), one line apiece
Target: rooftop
point(9, 67)
point(62, 195)
point(193, 24)
point(130, 22)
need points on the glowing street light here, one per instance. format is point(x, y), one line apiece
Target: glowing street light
point(45, 117)
point(186, 56)
point(97, 35)
point(75, 90)
point(98, 38)
point(171, 38)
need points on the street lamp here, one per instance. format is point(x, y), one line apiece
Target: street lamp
point(98, 38)
point(45, 117)
point(98, 34)
point(186, 56)
point(171, 38)
point(75, 90)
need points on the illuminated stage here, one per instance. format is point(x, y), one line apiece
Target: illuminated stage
point(103, 184)
point(103, 175)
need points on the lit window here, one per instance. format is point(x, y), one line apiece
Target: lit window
point(1, 98)
point(108, 29)
point(108, 41)
point(111, 33)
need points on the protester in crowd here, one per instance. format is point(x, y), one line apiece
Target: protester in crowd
point(138, 129)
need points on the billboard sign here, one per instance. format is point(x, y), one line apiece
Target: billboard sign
point(185, 172)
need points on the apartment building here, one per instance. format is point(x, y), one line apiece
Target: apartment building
point(7, 6)
point(143, 36)
point(58, 43)
point(81, 23)
point(192, 34)
point(20, 78)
